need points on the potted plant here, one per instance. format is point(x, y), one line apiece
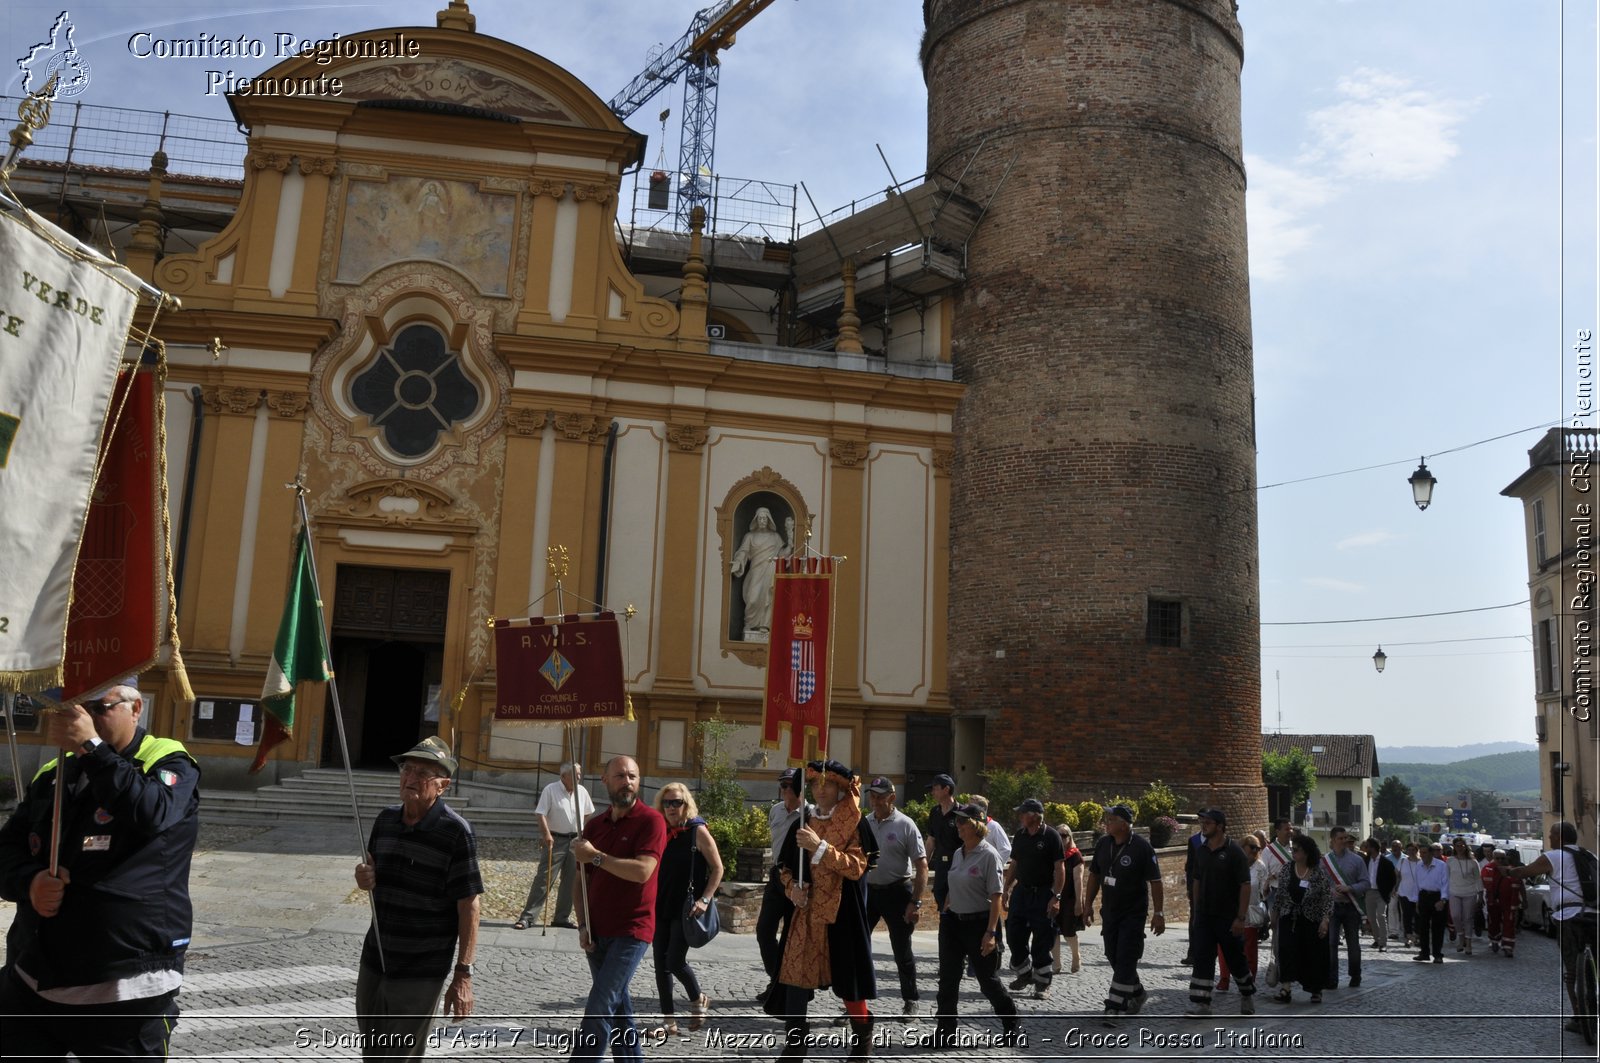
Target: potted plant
point(752, 839)
point(1162, 828)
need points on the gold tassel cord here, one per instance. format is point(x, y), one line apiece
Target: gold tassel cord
point(175, 670)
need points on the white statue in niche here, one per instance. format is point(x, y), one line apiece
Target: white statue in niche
point(761, 545)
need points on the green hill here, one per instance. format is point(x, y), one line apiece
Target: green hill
point(1510, 774)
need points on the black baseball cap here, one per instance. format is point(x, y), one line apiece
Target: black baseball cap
point(1215, 815)
point(789, 777)
point(1120, 811)
point(880, 785)
point(942, 780)
point(1032, 804)
point(970, 811)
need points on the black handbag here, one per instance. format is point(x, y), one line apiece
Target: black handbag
point(698, 929)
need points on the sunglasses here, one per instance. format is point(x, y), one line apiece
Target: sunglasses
point(671, 802)
point(1253, 848)
point(100, 708)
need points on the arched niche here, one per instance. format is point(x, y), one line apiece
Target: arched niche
point(762, 489)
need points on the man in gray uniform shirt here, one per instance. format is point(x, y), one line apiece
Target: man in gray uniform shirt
point(896, 884)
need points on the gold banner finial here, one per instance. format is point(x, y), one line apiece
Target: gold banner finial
point(555, 558)
point(33, 114)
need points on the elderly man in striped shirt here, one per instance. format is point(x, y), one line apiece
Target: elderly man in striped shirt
point(422, 872)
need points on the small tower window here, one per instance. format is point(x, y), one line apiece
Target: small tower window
point(1164, 623)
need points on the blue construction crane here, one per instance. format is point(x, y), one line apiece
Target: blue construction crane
point(695, 57)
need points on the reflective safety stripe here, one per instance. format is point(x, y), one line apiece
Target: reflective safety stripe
point(150, 751)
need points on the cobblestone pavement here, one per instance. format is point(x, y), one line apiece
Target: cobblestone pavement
point(271, 975)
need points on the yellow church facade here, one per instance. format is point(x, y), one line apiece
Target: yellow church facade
point(421, 310)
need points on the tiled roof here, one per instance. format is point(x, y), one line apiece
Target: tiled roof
point(1342, 756)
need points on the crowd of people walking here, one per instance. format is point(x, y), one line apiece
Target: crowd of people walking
point(1273, 911)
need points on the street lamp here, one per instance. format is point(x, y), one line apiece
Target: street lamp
point(1379, 659)
point(1422, 482)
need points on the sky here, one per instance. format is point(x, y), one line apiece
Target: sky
point(1422, 192)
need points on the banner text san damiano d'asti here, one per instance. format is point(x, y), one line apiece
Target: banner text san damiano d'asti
point(559, 670)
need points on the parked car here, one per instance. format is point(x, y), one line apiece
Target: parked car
point(1536, 912)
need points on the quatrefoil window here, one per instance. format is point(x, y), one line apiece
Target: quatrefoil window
point(414, 390)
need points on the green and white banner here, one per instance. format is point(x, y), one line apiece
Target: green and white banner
point(64, 320)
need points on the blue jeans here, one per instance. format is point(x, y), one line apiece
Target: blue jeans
point(608, 1014)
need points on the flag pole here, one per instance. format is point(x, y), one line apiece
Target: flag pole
point(299, 488)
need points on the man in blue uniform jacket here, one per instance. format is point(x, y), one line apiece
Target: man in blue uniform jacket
point(95, 954)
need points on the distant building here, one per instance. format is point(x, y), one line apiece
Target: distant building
point(1558, 500)
point(1347, 775)
point(1524, 817)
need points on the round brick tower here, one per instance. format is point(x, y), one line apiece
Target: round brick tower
point(1103, 480)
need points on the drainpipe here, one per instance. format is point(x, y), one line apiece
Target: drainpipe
point(190, 464)
point(606, 464)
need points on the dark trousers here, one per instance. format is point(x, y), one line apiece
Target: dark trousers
point(940, 866)
point(1124, 938)
point(1345, 918)
point(32, 1027)
point(961, 943)
point(1252, 939)
point(1031, 933)
point(1211, 935)
point(1408, 918)
point(889, 904)
point(395, 1015)
point(776, 911)
point(1430, 923)
point(671, 954)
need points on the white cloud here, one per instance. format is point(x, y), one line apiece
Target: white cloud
point(1278, 202)
point(1328, 583)
point(1386, 129)
point(1383, 128)
point(1375, 537)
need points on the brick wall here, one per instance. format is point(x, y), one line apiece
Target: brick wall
point(1104, 450)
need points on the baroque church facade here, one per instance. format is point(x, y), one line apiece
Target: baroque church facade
point(425, 315)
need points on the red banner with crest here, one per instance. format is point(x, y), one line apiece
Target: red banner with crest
point(560, 670)
point(800, 658)
point(119, 593)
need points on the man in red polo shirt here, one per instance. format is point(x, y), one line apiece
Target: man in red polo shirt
point(620, 849)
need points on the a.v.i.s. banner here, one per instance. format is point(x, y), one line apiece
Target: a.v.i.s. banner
point(63, 323)
point(800, 658)
point(559, 670)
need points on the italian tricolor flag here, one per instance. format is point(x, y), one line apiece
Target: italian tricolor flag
point(299, 656)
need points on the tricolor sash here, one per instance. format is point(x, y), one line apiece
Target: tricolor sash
point(1331, 866)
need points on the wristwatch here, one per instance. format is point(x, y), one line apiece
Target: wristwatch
point(599, 858)
point(464, 970)
point(90, 745)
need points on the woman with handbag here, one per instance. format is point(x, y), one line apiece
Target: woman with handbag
point(1258, 911)
point(1069, 920)
point(1465, 875)
point(1301, 905)
point(686, 887)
